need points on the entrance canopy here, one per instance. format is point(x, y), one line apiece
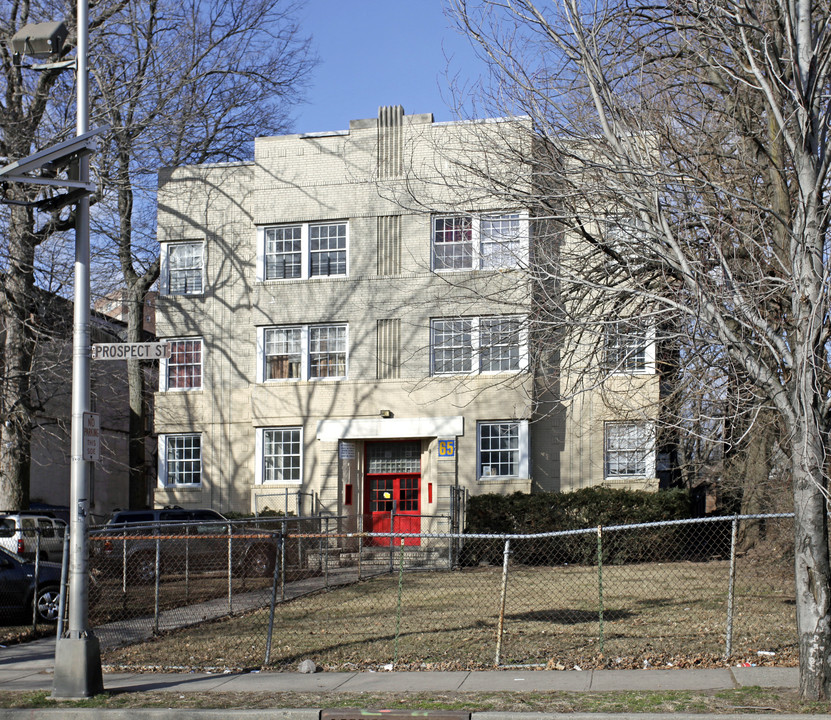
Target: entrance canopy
point(389, 428)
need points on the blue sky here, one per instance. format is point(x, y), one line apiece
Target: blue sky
point(380, 52)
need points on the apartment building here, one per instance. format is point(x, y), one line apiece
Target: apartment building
point(348, 318)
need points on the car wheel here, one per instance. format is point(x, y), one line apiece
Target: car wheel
point(48, 604)
point(259, 562)
point(142, 569)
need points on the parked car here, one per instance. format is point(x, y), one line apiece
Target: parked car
point(17, 588)
point(19, 533)
point(188, 541)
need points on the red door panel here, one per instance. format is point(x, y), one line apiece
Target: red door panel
point(386, 481)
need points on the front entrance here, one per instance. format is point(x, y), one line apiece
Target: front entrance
point(393, 473)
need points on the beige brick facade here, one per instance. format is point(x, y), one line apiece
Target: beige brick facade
point(385, 300)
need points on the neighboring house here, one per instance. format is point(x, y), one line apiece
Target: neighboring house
point(332, 336)
point(49, 473)
point(114, 305)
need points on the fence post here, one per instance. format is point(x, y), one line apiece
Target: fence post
point(392, 541)
point(64, 588)
point(230, 573)
point(187, 564)
point(124, 570)
point(398, 610)
point(158, 563)
point(731, 596)
point(600, 582)
point(360, 544)
point(283, 562)
point(326, 551)
point(37, 575)
point(504, 593)
point(452, 539)
point(279, 541)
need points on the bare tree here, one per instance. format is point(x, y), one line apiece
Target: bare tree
point(33, 113)
point(178, 83)
point(681, 153)
point(182, 83)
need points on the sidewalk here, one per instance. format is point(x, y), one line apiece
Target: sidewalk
point(29, 667)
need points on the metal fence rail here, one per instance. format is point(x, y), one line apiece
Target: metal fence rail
point(684, 592)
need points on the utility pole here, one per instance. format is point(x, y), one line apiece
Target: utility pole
point(77, 654)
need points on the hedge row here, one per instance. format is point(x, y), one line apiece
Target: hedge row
point(550, 512)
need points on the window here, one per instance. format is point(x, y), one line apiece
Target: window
point(327, 351)
point(280, 455)
point(302, 250)
point(283, 353)
point(452, 346)
point(630, 450)
point(468, 242)
point(282, 252)
point(502, 449)
point(183, 369)
point(180, 459)
point(462, 346)
point(302, 352)
point(499, 342)
point(327, 245)
point(182, 268)
point(629, 347)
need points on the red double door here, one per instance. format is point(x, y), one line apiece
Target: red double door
point(393, 489)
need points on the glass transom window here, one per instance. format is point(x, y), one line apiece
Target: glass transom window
point(393, 457)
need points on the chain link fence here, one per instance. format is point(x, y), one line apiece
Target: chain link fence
point(273, 592)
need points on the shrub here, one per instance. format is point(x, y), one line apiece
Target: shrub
point(521, 514)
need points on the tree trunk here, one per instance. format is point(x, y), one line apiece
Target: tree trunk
point(135, 381)
point(18, 349)
point(811, 557)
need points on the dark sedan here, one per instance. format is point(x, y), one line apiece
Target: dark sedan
point(17, 588)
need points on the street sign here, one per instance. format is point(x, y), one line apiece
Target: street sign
point(92, 437)
point(130, 351)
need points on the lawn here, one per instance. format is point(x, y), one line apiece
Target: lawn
point(655, 614)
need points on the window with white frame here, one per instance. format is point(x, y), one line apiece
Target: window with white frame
point(279, 455)
point(469, 242)
point(283, 353)
point(460, 346)
point(629, 347)
point(629, 450)
point(182, 268)
point(502, 447)
point(183, 369)
point(302, 352)
point(180, 459)
point(283, 252)
point(302, 250)
point(327, 351)
point(452, 346)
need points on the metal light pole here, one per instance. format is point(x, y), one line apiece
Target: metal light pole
point(78, 655)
